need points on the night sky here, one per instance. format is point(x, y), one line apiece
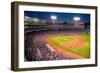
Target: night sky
point(61, 17)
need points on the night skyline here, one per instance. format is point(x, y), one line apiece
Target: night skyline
point(61, 17)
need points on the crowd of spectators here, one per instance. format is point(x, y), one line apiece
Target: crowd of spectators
point(36, 49)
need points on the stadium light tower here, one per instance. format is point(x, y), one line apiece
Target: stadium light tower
point(76, 19)
point(53, 18)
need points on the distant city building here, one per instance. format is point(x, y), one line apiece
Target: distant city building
point(28, 19)
point(33, 21)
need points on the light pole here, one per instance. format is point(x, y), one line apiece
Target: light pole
point(76, 19)
point(53, 18)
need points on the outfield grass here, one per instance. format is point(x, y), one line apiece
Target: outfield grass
point(83, 51)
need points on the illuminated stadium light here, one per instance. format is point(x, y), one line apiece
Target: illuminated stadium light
point(53, 17)
point(76, 19)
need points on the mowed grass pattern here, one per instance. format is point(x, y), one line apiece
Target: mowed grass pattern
point(83, 51)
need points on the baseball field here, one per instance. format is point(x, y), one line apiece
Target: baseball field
point(75, 45)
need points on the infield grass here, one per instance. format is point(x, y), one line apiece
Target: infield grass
point(83, 50)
